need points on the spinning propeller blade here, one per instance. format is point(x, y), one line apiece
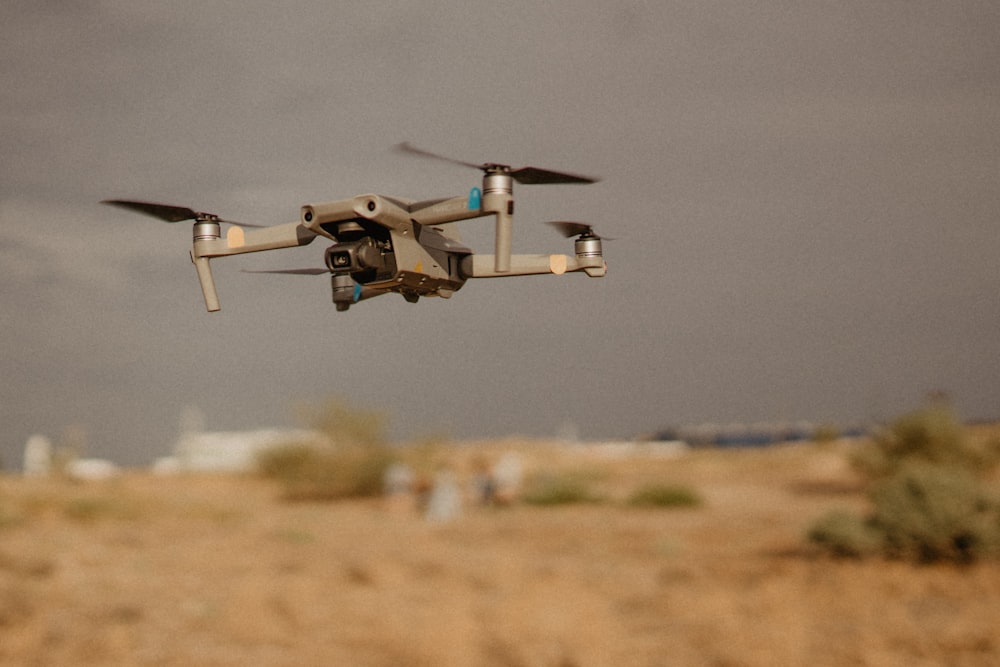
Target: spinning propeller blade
point(523, 175)
point(536, 176)
point(568, 228)
point(407, 147)
point(295, 272)
point(170, 213)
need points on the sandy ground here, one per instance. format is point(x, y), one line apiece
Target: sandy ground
point(197, 570)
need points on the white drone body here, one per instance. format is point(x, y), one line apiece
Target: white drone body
point(387, 244)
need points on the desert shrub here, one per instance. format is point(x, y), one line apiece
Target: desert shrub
point(93, 509)
point(934, 512)
point(346, 424)
point(845, 534)
point(9, 515)
point(826, 433)
point(928, 501)
point(287, 461)
point(563, 489)
point(365, 467)
point(932, 435)
point(351, 464)
point(311, 472)
point(664, 495)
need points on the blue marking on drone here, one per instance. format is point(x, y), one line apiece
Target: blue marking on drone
point(475, 199)
point(357, 292)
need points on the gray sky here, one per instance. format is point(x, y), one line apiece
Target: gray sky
point(805, 198)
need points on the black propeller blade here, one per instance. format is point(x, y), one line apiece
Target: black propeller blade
point(523, 175)
point(568, 228)
point(170, 213)
point(407, 147)
point(294, 272)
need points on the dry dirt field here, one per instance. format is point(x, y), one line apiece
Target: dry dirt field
point(218, 570)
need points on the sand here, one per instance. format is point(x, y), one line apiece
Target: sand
point(220, 570)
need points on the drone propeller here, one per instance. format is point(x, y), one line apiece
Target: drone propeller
point(568, 229)
point(295, 272)
point(523, 175)
point(169, 213)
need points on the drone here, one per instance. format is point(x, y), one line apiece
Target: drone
point(385, 245)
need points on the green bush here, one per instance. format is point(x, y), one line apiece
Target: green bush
point(309, 472)
point(933, 512)
point(845, 534)
point(932, 435)
point(346, 424)
point(562, 489)
point(928, 502)
point(826, 433)
point(664, 495)
point(9, 515)
point(287, 461)
point(352, 465)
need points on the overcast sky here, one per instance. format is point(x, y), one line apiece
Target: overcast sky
point(805, 199)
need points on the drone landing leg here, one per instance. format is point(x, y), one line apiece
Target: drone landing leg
point(207, 283)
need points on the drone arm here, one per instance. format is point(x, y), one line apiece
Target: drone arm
point(239, 241)
point(208, 243)
point(438, 212)
point(484, 266)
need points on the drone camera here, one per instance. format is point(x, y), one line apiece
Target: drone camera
point(354, 256)
point(342, 258)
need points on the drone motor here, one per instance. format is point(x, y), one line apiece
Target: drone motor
point(206, 230)
point(588, 246)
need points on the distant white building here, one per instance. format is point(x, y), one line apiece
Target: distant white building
point(228, 451)
point(37, 456)
point(91, 469)
point(38, 462)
